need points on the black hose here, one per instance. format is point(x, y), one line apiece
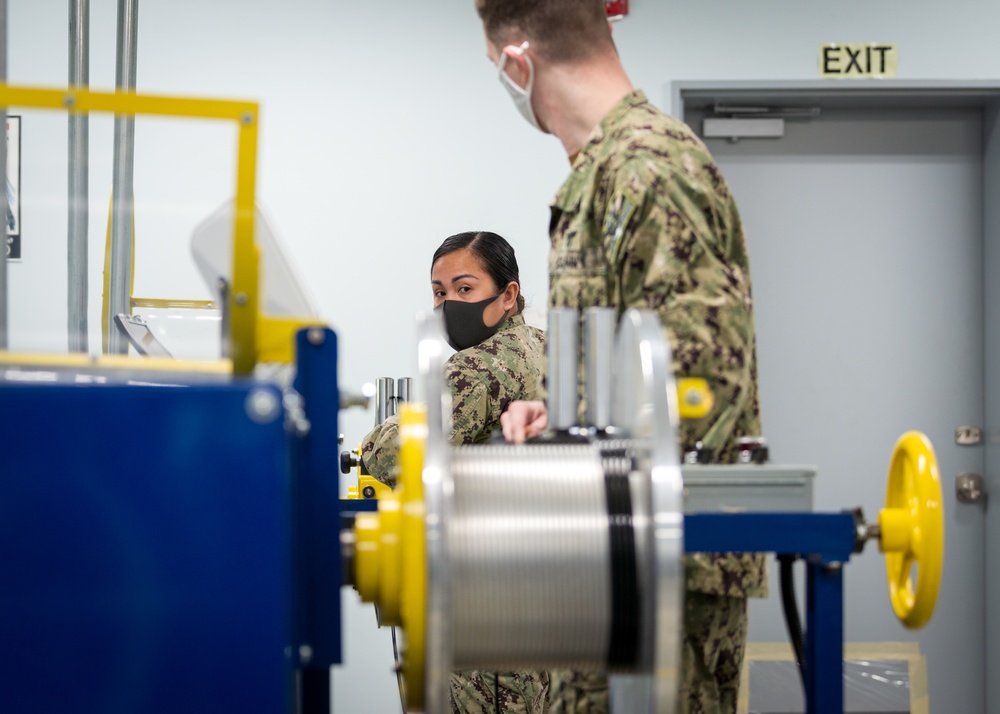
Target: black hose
point(791, 611)
point(399, 670)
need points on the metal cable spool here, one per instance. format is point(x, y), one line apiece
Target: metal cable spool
point(530, 558)
point(559, 555)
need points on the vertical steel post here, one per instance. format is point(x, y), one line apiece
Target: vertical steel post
point(123, 208)
point(78, 189)
point(384, 399)
point(562, 345)
point(599, 328)
point(3, 193)
point(404, 390)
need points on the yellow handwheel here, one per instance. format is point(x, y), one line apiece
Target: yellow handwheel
point(390, 562)
point(912, 529)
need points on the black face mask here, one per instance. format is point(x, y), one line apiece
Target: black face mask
point(464, 324)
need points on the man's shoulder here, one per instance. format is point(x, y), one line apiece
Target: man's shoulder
point(649, 151)
point(645, 130)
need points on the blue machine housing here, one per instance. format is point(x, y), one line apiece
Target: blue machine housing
point(168, 549)
point(144, 550)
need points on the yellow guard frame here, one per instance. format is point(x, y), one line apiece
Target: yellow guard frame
point(253, 337)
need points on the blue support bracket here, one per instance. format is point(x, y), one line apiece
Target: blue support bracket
point(829, 536)
point(350, 506)
point(824, 638)
point(315, 472)
point(825, 541)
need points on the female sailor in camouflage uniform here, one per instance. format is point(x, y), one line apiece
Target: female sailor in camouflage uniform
point(500, 359)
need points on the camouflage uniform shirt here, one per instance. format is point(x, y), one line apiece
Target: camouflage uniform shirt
point(646, 220)
point(484, 379)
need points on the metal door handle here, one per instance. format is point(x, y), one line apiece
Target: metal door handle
point(969, 487)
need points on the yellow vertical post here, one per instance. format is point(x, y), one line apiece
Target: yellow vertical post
point(244, 293)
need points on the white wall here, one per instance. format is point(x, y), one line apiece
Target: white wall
point(383, 131)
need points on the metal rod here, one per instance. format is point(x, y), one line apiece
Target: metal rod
point(384, 398)
point(3, 193)
point(123, 208)
point(599, 328)
point(563, 362)
point(78, 189)
point(404, 390)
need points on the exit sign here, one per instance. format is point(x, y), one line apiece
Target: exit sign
point(858, 59)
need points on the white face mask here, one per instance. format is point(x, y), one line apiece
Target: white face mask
point(521, 97)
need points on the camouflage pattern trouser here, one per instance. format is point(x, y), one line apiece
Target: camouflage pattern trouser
point(715, 635)
point(715, 630)
point(520, 692)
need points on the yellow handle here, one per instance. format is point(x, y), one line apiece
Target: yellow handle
point(912, 529)
point(694, 398)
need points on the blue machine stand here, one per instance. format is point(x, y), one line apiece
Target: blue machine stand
point(825, 541)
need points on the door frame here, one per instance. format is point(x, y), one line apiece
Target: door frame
point(687, 95)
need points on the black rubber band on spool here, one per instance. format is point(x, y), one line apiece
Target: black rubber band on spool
point(623, 647)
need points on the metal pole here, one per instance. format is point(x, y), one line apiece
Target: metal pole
point(599, 327)
point(562, 346)
point(384, 395)
point(3, 193)
point(79, 193)
point(404, 390)
point(123, 209)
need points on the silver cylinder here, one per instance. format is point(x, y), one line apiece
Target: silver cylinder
point(384, 399)
point(404, 391)
point(3, 194)
point(530, 558)
point(562, 347)
point(123, 206)
point(598, 348)
point(78, 189)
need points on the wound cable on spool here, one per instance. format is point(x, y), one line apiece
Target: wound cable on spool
point(530, 558)
point(543, 557)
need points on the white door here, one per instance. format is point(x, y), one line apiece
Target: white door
point(865, 228)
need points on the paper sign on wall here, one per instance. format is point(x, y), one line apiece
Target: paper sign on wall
point(858, 59)
point(13, 218)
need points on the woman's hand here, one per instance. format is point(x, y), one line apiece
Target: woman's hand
point(523, 420)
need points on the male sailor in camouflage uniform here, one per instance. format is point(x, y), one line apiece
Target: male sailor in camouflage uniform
point(475, 280)
point(645, 220)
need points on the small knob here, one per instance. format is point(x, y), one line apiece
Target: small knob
point(753, 450)
point(701, 454)
point(348, 460)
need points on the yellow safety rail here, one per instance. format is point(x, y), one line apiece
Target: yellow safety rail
point(253, 337)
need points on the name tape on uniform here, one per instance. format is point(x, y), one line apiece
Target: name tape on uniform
point(858, 59)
